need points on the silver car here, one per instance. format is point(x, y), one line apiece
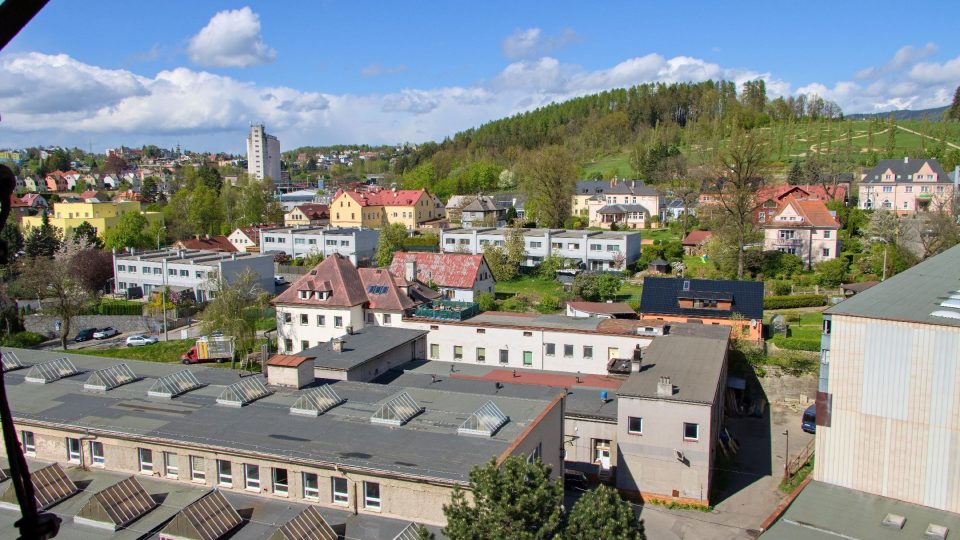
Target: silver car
point(138, 340)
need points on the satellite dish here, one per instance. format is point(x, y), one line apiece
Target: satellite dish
point(753, 322)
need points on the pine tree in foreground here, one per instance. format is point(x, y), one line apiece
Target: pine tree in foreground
point(602, 513)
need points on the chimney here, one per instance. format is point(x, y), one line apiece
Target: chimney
point(664, 387)
point(410, 270)
point(336, 345)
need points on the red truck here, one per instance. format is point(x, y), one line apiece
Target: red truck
point(209, 349)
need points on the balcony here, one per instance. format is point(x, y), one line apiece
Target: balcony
point(446, 310)
point(790, 242)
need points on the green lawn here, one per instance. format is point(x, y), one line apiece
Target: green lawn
point(163, 351)
point(662, 234)
point(531, 286)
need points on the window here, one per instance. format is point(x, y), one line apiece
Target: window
point(826, 234)
point(371, 495)
point(311, 489)
point(288, 345)
point(157, 271)
point(434, 351)
point(691, 432)
point(635, 425)
point(304, 345)
point(536, 245)
point(251, 476)
point(528, 334)
point(171, 271)
point(344, 243)
point(29, 443)
point(146, 460)
point(504, 356)
point(331, 242)
point(888, 189)
point(536, 454)
point(370, 319)
point(786, 235)
point(287, 317)
point(587, 351)
point(121, 268)
point(184, 273)
point(826, 252)
point(457, 352)
point(386, 318)
point(280, 482)
point(304, 319)
point(338, 322)
point(340, 494)
point(481, 354)
point(170, 466)
point(613, 247)
point(198, 470)
point(96, 453)
point(73, 450)
point(146, 269)
point(224, 473)
point(528, 358)
point(551, 349)
point(909, 189)
point(568, 351)
point(321, 320)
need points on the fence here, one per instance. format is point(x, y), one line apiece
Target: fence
point(287, 269)
point(802, 458)
point(449, 311)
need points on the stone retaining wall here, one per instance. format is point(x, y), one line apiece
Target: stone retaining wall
point(784, 388)
point(45, 325)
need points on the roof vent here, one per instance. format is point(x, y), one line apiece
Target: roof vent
point(109, 378)
point(54, 370)
point(664, 387)
point(893, 521)
point(936, 532)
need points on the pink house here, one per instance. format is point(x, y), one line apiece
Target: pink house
point(803, 227)
point(907, 186)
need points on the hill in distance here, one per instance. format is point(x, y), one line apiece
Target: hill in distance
point(934, 114)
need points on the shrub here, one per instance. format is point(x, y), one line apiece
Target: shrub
point(548, 304)
point(24, 340)
point(779, 287)
point(515, 303)
point(120, 308)
point(798, 301)
point(486, 301)
point(796, 344)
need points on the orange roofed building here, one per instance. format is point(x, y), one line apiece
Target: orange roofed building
point(375, 208)
point(803, 227)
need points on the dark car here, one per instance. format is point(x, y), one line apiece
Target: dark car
point(809, 423)
point(574, 479)
point(85, 335)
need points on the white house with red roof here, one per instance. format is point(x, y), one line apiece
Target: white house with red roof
point(458, 276)
point(769, 198)
point(335, 298)
point(245, 239)
point(803, 227)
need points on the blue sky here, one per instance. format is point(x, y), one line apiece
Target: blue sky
point(106, 73)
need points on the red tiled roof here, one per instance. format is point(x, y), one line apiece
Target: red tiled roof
point(384, 197)
point(812, 212)
point(216, 243)
point(335, 274)
point(780, 192)
point(287, 360)
point(454, 270)
point(314, 210)
point(695, 238)
point(392, 299)
point(253, 233)
point(612, 308)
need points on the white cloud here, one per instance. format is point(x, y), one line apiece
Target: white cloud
point(56, 99)
point(231, 39)
point(903, 58)
point(531, 42)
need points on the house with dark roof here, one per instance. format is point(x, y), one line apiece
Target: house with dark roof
point(626, 203)
point(907, 186)
point(211, 243)
point(336, 298)
point(457, 276)
point(803, 227)
point(482, 211)
point(307, 214)
point(737, 304)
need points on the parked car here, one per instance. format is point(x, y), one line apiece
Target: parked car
point(573, 478)
point(85, 335)
point(105, 333)
point(278, 280)
point(809, 423)
point(138, 340)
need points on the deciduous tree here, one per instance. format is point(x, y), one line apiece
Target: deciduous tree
point(391, 241)
point(549, 177)
point(57, 279)
point(235, 309)
point(130, 231)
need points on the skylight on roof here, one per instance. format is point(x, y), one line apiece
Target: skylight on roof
point(377, 289)
point(170, 386)
point(316, 401)
point(951, 303)
point(308, 524)
point(485, 421)
point(244, 392)
point(208, 518)
point(116, 506)
point(397, 411)
point(947, 314)
point(11, 361)
point(110, 378)
point(54, 370)
point(686, 285)
point(51, 485)
point(410, 532)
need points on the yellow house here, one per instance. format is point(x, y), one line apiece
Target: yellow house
point(375, 208)
point(101, 215)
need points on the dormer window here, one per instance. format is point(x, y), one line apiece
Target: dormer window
point(304, 295)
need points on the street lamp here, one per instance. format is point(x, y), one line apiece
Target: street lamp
point(786, 458)
point(162, 228)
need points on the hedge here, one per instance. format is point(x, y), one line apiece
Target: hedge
point(120, 309)
point(23, 340)
point(798, 301)
point(797, 344)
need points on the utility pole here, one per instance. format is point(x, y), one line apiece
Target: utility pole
point(786, 458)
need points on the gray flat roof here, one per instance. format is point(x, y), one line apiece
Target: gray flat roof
point(263, 515)
point(189, 256)
point(912, 295)
point(360, 347)
point(827, 512)
point(550, 322)
point(428, 446)
point(582, 400)
point(318, 230)
point(694, 365)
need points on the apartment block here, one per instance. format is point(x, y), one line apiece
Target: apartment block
point(263, 154)
point(358, 245)
point(592, 250)
point(907, 187)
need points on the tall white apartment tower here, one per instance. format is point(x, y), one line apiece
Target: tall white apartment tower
point(263, 154)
